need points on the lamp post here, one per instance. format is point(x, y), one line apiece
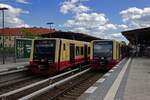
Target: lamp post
point(3, 9)
point(50, 27)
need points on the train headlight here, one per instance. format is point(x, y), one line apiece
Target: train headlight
point(42, 60)
point(102, 58)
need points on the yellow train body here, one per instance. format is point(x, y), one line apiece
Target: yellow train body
point(67, 53)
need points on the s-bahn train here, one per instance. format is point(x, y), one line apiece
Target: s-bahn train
point(106, 53)
point(52, 55)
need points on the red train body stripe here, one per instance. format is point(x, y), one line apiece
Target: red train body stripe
point(97, 66)
point(54, 68)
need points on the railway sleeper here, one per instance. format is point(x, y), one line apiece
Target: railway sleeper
point(73, 93)
point(79, 89)
point(62, 98)
point(83, 84)
point(69, 97)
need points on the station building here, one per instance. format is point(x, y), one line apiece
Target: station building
point(11, 33)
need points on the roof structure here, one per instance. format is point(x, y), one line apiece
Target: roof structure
point(138, 36)
point(71, 35)
point(19, 31)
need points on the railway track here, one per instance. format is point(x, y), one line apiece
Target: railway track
point(72, 89)
point(9, 77)
point(35, 85)
point(21, 82)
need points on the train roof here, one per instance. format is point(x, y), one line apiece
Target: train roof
point(71, 35)
point(59, 39)
point(105, 40)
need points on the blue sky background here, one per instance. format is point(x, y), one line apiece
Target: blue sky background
point(38, 12)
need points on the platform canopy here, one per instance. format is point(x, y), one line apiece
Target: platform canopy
point(138, 36)
point(70, 35)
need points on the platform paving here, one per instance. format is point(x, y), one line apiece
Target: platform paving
point(129, 80)
point(138, 82)
point(13, 66)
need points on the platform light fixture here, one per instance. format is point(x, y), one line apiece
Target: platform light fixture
point(50, 27)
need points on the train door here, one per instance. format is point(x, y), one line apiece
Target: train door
point(85, 52)
point(72, 53)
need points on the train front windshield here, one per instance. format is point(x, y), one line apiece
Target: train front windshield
point(103, 49)
point(44, 51)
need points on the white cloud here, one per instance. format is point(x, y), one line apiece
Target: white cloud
point(81, 8)
point(75, 1)
point(22, 1)
point(12, 16)
point(92, 20)
point(111, 26)
point(136, 17)
point(95, 24)
point(122, 26)
point(73, 6)
point(86, 21)
point(118, 37)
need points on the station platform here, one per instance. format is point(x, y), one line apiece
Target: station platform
point(128, 80)
point(13, 66)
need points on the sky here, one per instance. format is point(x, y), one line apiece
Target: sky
point(100, 18)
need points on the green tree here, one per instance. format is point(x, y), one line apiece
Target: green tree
point(28, 34)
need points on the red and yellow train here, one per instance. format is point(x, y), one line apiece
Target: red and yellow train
point(52, 55)
point(106, 53)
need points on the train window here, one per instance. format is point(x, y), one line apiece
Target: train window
point(88, 50)
point(103, 49)
point(64, 46)
point(44, 49)
point(77, 51)
point(81, 50)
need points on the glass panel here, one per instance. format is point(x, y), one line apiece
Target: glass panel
point(103, 49)
point(44, 49)
point(77, 51)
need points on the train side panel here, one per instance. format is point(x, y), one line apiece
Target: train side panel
point(64, 55)
point(116, 55)
point(72, 53)
point(89, 51)
point(79, 52)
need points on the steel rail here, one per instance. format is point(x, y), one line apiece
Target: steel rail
point(5, 95)
point(13, 71)
point(8, 76)
point(39, 92)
